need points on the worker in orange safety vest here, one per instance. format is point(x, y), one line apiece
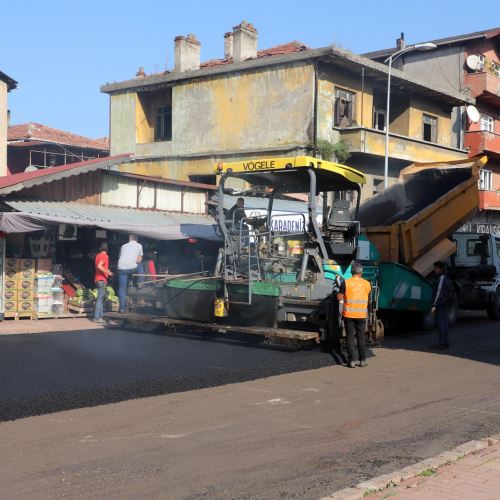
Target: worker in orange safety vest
point(354, 294)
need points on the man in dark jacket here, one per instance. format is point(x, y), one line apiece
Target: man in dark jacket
point(441, 294)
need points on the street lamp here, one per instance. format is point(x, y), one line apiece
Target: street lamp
point(420, 47)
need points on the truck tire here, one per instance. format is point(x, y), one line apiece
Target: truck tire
point(452, 309)
point(427, 321)
point(493, 309)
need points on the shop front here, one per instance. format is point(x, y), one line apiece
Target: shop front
point(47, 252)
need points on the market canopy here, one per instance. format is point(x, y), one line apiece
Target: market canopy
point(36, 215)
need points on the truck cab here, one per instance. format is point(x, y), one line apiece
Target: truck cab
point(475, 269)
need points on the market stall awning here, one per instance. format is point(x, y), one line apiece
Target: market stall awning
point(35, 215)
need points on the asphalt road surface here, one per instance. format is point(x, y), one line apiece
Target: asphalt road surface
point(46, 373)
point(296, 435)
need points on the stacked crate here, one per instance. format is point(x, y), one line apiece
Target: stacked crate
point(19, 287)
point(43, 293)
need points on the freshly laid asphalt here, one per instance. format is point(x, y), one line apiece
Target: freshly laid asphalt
point(298, 435)
point(58, 371)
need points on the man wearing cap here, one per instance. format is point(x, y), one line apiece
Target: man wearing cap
point(354, 294)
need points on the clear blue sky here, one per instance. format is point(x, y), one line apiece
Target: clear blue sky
point(60, 52)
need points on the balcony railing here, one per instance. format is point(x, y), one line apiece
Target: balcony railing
point(372, 141)
point(489, 200)
point(486, 81)
point(480, 141)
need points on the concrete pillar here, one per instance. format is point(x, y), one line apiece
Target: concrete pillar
point(187, 53)
point(228, 45)
point(244, 42)
point(3, 128)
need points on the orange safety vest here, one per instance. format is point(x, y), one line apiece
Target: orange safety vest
point(357, 292)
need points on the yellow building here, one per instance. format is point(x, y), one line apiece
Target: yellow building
point(287, 100)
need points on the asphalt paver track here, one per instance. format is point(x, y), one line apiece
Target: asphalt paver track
point(47, 373)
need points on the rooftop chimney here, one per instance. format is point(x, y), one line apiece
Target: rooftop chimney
point(244, 42)
point(228, 45)
point(400, 42)
point(187, 53)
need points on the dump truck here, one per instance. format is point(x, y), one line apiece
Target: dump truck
point(409, 226)
point(279, 278)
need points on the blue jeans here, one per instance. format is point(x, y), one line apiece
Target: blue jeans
point(442, 324)
point(99, 303)
point(123, 275)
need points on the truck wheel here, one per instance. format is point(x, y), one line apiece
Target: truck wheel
point(145, 326)
point(379, 330)
point(452, 309)
point(427, 321)
point(493, 309)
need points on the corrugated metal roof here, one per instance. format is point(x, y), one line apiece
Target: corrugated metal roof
point(108, 215)
point(253, 203)
point(16, 182)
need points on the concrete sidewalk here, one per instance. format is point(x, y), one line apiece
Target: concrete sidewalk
point(475, 476)
point(23, 326)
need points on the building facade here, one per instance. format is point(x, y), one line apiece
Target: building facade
point(468, 64)
point(287, 100)
point(6, 85)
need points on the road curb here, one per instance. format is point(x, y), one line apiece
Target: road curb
point(384, 481)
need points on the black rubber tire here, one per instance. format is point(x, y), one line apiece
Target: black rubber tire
point(145, 326)
point(427, 321)
point(493, 309)
point(452, 309)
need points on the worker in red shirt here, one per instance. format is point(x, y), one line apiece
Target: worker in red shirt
point(102, 273)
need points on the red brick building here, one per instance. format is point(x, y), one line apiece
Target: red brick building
point(469, 64)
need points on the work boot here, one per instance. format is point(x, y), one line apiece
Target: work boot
point(363, 364)
point(351, 364)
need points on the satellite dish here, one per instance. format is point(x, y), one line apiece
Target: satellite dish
point(474, 62)
point(30, 168)
point(473, 114)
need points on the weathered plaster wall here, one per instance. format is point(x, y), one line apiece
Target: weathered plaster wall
point(123, 123)
point(240, 111)
point(420, 107)
point(3, 128)
point(265, 108)
point(328, 80)
point(182, 168)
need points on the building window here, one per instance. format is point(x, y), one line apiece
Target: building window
point(485, 182)
point(343, 109)
point(477, 247)
point(487, 123)
point(379, 119)
point(429, 132)
point(163, 128)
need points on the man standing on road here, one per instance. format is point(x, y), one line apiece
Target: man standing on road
point(441, 293)
point(130, 256)
point(354, 294)
point(102, 273)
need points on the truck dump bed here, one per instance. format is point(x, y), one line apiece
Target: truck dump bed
point(409, 222)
